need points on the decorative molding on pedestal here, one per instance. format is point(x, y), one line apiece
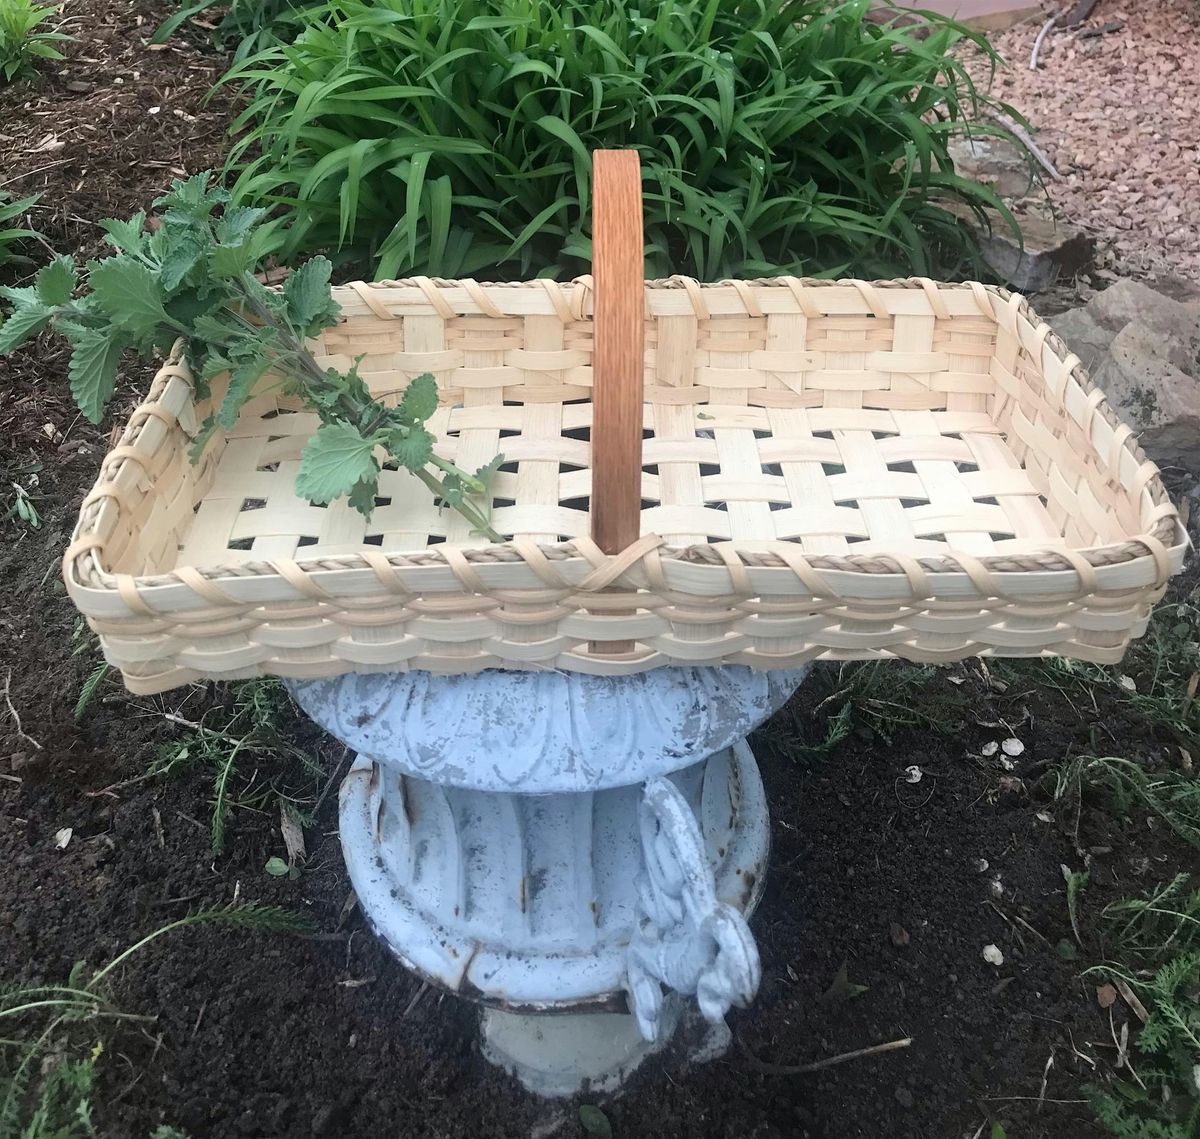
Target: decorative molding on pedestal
point(686, 939)
point(536, 732)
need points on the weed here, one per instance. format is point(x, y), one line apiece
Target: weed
point(53, 1035)
point(256, 732)
point(876, 698)
point(23, 40)
point(794, 137)
point(1163, 921)
point(1077, 881)
point(1161, 1099)
point(95, 678)
point(1173, 797)
point(247, 25)
point(14, 230)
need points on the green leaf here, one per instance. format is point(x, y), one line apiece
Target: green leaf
point(55, 282)
point(194, 197)
point(411, 447)
point(214, 328)
point(93, 367)
point(196, 448)
point(131, 293)
point(420, 399)
point(242, 381)
point(842, 988)
point(276, 867)
point(308, 297)
point(362, 497)
point(25, 321)
point(484, 474)
point(333, 460)
point(127, 236)
point(185, 246)
point(228, 261)
point(594, 1121)
point(236, 223)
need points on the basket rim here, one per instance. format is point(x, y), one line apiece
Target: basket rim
point(84, 569)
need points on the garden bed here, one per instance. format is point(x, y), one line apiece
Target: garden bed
point(324, 1034)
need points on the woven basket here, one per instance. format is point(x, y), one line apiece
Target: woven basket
point(782, 470)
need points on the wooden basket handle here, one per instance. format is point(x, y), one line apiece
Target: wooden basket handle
point(618, 353)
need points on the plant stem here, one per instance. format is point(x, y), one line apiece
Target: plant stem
point(468, 510)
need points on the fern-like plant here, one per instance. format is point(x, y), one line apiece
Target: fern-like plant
point(1159, 936)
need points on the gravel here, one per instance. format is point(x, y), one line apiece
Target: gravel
point(1117, 115)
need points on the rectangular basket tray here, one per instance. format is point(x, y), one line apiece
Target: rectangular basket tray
point(839, 470)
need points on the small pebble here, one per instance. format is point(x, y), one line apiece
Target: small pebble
point(992, 955)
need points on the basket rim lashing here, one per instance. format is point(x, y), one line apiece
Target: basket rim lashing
point(577, 568)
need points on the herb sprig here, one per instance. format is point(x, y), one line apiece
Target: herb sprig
point(192, 276)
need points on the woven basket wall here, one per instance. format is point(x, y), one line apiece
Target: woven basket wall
point(844, 470)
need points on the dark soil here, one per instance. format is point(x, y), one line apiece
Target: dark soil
point(275, 1035)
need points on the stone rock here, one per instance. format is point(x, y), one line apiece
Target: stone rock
point(1142, 349)
point(1003, 164)
point(1049, 250)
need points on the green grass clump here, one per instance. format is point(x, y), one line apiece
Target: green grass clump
point(454, 137)
point(14, 230)
point(24, 40)
point(246, 25)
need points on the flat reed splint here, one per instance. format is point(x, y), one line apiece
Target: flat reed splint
point(842, 470)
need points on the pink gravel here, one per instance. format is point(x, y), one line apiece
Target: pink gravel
point(1119, 116)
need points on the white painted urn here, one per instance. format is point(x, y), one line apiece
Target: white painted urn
point(558, 843)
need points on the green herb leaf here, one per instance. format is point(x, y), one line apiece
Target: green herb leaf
point(333, 461)
point(127, 236)
point(185, 246)
point(276, 867)
point(420, 399)
point(236, 222)
point(308, 298)
point(242, 381)
point(26, 320)
point(194, 197)
point(93, 368)
point(131, 293)
point(55, 282)
point(362, 497)
point(411, 447)
point(196, 449)
point(229, 261)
